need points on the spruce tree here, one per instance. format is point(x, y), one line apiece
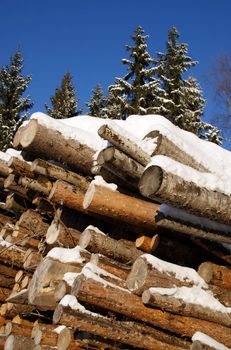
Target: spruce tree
point(97, 102)
point(137, 92)
point(13, 106)
point(64, 102)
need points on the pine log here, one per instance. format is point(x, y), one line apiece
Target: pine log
point(174, 190)
point(202, 341)
point(17, 342)
point(68, 195)
point(6, 281)
point(125, 167)
point(120, 301)
point(49, 143)
point(124, 144)
point(20, 167)
point(215, 274)
point(166, 147)
point(59, 234)
point(7, 271)
point(145, 275)
point(45, 279)
point(147, 244)
point(41, 184)
point(96, 241)
point(129, 333)
point(114, 267)
point(101, 200)
point(10, 310)
point(180, 307)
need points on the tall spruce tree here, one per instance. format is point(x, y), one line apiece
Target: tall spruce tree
point(13, 106)
point(138, 92)
point(97, 103)
point(64, 102)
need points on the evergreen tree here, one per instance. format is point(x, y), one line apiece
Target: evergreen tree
point(64, 102)
point(138, 91)
point(184, 103)
point(97, 102)
point(13, 107)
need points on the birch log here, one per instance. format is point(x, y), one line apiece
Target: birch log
point(174, 190)
point(49, 143)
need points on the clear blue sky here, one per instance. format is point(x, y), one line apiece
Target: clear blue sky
point(89, 37)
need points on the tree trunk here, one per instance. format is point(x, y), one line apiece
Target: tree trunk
point(174, 190)
point(215, 274)
point(126, 168)
point(180, 307)
point(96, 241)
point(123, 143)
point(51, 144)
point(101, 200)
point(166, 147)
point(117, 300)
point(129, 333)
point(15, 203)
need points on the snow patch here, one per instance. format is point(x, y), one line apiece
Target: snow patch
point(71, 301)
point(99, 181)
point(67, 255)
point(205, 339)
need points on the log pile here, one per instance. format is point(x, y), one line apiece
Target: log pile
point(86, 264)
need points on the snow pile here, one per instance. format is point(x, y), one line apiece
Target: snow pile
point(185, 274)
point(4, 157)
point(205, 339)
point(71, 301)
point(67, 255)
point(99, 181)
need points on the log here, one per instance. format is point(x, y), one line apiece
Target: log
point(104, 201)
point(67, 195)
point(20, 167)
point(33, 222)
point(40, 185)
point(43, 206)
point(12, 255)
point(129, 333)
point(15, 203)
point(49, 143)
point(114, 267)
point(4, 168)
point(59, 234)
point(222, 294)
point(149, 271)
point(96, 241)
point(174, 190)
point(120, 301)
point(166, 147)
point(115, 136)
point(44, 335)
point(42, 167)
point(18, 329)
point(5, 219)
point(215, 274)
point(20, 297)
point(4, 294)
point(125, 167)
point(11, 183)
point(147, 244)
point(202, 341)
point(31, 260)
point(152, 297)
point(17, 342)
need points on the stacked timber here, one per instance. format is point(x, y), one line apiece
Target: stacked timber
point(105, 248)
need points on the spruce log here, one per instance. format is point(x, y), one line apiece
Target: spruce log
point(42, 167)
point(145, 275)
point(166, 147)
point(120, 301)
point(123, 143)
point(180, 307)
point(59, 234)
point(52, 144)
point(174, 190)
point(96, 241)
point(222, 294)
point(215, 274)
point(20, 167)
point(68, 195)
point(101, 200)
point(126, 168)
point(130, 333)
point(147, 244)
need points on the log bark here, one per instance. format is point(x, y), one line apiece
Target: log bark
point(144, 275)
point(11, 183)
point(124, 144)
point(111, 266)
point(4, 168)
point(222, 294)
point(67, 195)
point(15, 203)
point(20, 167)
point(59, 234)
point(51, 144)
point(215, 274)
point(5, 219)
point(33, 222)
point(180, 307)
point(126, 332)
point(12, 255)
point(18, 329)
point(125, 167)
point(147, 244)
point(4, 294)
point(20, 297)
point(17, 342)
point(40, 185)
point(166, 147)
point(101, 200)
point(43, 335)
point(174, 190)
point(96, 241)
point(128, 304)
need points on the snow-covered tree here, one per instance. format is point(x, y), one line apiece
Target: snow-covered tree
point(64, 102)
point(97, 103)
point(13, 106)
point(138, 91)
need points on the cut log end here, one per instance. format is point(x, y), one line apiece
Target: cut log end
point(57, 313)
point(205, 271)
point(28, 134)
point(88, 196)
point(52, 233)
point(60, 291)
point(64, 339)
point(151, 181)
point(137, 275)
point(85, 238)
point(146, 295)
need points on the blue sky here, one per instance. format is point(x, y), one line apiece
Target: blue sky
point(89, 37)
